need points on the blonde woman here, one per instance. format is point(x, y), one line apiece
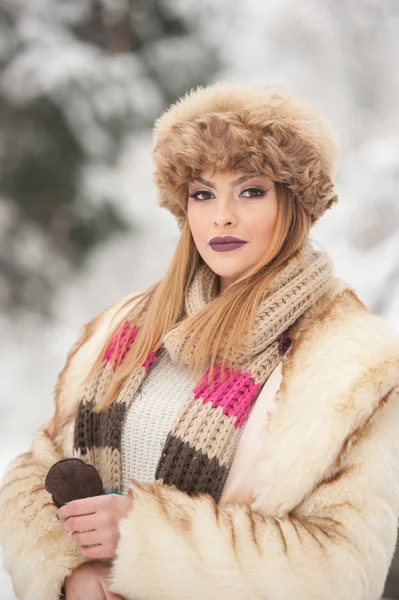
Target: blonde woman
point(243, 412)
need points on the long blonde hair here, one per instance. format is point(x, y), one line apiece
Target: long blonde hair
point(237, 305)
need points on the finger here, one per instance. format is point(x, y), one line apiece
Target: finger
point(95, 551)
point(87, 522)
point(86, 538)
point(84, 506)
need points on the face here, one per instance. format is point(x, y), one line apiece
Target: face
point(232, 204)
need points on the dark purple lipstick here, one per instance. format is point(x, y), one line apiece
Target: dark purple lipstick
point(226, 243)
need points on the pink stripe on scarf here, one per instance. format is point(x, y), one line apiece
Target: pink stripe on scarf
point(121, 343)
point(149, 360)
point(125, 335)
point(235, 394)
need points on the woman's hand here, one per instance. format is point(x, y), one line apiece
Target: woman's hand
point(89, 581)
point(94, 523)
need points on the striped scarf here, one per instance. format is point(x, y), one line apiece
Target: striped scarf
point(200, 446)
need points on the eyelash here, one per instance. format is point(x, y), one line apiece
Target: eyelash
point(262, 193)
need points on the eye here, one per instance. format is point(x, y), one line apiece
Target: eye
point(258, 192)
point(196, 195)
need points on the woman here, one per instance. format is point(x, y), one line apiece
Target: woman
point(243, 410)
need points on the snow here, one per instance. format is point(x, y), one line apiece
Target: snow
point(300, 46)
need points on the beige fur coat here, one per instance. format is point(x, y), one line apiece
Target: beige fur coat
point(323, 521)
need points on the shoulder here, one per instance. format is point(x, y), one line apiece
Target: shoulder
point(340, 383)
point(341, 332)
point(343, 363)
point(83, 354)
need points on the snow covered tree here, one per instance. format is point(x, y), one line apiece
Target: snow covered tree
point(76, 78)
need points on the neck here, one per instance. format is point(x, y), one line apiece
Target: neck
point(224, 283)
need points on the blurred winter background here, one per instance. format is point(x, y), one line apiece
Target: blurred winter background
point(81, 82)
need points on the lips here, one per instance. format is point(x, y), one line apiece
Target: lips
point(226, 244)
point(227, 247)
point(227, 239)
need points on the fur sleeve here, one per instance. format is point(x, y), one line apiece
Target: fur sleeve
point(37, 552)
point(337, 543)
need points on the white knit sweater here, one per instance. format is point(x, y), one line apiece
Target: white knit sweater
point(150, 417)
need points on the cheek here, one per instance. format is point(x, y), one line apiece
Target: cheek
point(262, 225)
point(261, 239)
point(195, 221)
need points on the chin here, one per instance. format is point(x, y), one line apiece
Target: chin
point(227, 267)
point(226, 273)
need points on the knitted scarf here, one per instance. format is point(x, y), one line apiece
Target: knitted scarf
point(200, 446)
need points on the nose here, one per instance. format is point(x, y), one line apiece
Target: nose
point(224, 213)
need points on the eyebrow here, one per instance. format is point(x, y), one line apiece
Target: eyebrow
point(232, 184)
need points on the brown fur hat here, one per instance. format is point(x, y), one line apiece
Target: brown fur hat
point(235, 127)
